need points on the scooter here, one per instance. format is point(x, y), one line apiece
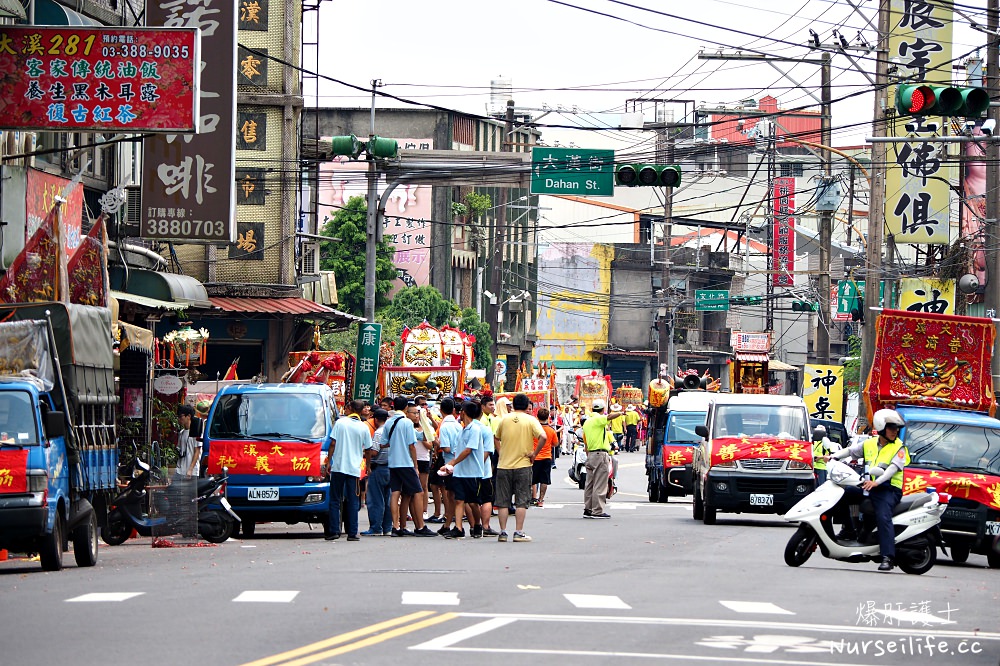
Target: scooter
point(915, 520)
point(129, 511)
point(578, 470)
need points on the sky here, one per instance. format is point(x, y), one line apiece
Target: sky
point(593, 56)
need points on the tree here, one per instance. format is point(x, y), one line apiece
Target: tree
point(347, 340)
point(346, 257)
point(413, 305)
point(852, 367)
point(473, 325)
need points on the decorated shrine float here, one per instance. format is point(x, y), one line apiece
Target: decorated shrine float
point(434, 363)
point(538, 383)
point(333, 368)
point(593, 387)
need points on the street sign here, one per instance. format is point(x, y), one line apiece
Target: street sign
point(711, 299)
point(366, 375)
point(572, 171)
point(847, 292)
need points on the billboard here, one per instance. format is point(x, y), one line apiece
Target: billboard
point(783, 233)
point(72, 78)
point(188, 182)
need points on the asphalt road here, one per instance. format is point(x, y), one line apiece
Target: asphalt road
point(650, 584)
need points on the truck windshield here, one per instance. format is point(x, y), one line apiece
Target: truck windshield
point(681, 427)
point(17, 419)
point(269, 416)
point(957, 447)
point(761, 421)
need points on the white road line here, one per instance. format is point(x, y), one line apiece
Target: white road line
point(430, 598)
point(914, 617)
point(551, 506)
point(446, 641)
point(267, 596)
point(105, 596)
point(597, 601)
point(755, 607)
point(628, 506)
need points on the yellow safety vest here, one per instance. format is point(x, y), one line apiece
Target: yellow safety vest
point(876, 458)
point(818, 451)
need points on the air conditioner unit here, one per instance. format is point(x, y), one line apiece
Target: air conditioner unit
point(132, 220)
point(309, 258)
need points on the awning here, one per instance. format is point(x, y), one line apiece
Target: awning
point(148, 302)
point(170, 287)
point(752, 357)
point(12, 9)
point(623, 352)
point(48, 12)
point(292, 306)
point(134, 337)
point(781, 366)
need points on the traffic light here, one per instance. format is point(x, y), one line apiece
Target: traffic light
point(376, 146)
point(346, 145)
point(804, 306)
point(383, 148)
point(648, 175)
point(927, 99)
point(858, 311)
point(746, 300)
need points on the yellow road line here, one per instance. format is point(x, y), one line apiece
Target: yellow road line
point(342, 638)
point(444, 617)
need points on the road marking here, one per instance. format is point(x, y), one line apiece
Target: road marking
point(914, 617)
point(447, 640)
point(430, 599)
point(597, 601)
point(267, 596)
point(350, 647)
point(628, 506)
point(105, 596)
point(755, 607)
point(551, 506)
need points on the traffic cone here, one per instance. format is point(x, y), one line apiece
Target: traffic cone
point(3, 555)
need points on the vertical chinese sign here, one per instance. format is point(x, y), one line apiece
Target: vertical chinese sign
point(926, 295)
point(783, 233)
point(916, 185)
point(366, 372)
point(188, 182)
point(823, 392)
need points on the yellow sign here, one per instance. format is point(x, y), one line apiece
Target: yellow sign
point(916, 185)
point(925, 295)
point(823, 392)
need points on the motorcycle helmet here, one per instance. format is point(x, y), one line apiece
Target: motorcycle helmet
point(884, 417)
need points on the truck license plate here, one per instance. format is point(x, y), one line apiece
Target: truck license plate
point(761, 500)
point(264, 494)
point(992, 528)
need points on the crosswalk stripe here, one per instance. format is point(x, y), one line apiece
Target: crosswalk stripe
point(762, 607)
point(106, 596)
point(267, 596)
point(414, 598)
point(597, 601)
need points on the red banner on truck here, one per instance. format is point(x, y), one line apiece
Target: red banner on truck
point(13, 472)
point(265, 458)
point(729, 449)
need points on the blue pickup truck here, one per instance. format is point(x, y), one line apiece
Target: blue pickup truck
point(58, 455)
point(274, 439)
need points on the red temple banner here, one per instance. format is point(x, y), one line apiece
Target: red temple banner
point(265, 458)
point(34, 274)
point(13, 471)
point(677, 456)
point(931, 360)
point(982, 488)
point(729, 449)
point(86, 268)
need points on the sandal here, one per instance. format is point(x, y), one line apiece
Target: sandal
point(540, 503)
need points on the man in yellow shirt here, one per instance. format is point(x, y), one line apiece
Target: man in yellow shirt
point(631, 420)
point(595, 492)
point(617, 426)
point(515, 440)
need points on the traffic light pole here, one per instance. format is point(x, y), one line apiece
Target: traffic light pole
point(825, 226)
point(666, 325)
point(992, 225)
point(497, 251)
point(371, 227)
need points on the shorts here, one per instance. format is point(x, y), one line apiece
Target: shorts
point(541, 472)
point(485, 491)
point(424, 466)
point(514, 483)
point(466, 490)
point(404, 480)
point(434, 479)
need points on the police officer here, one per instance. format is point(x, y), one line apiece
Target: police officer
point(822, 446)
point(885, 459)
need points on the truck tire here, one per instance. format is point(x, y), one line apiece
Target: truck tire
point(959, 554)
point(51, 553)
point(85, 542)
point(664, 496)
point(800, 546)
point(117, 531)
point(697, 506)
point(709, 517)
point(654, 490)
point(993, 560)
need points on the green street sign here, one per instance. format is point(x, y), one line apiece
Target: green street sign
point(366, 373)
point(847, 292)
point(711, 299)
point(572, 171)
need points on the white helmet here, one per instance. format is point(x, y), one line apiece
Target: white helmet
point(597, 405)
point(884, 417)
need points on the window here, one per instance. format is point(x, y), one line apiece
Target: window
point(791, 169)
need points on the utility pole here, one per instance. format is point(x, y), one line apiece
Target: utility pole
point(371, 228)
point(825, 224)
point(991, 227)
point(876, 205)
point(667, 328)
point(498, 245)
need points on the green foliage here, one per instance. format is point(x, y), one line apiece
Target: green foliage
point(346, 258)
point(852, 367)
point(413, 305)
point(347, 340)
point(477, 203)
point(474, 326)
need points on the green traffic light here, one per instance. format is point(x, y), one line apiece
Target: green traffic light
point(925, 99)
point(627, 175)
point(382, 148)
point(346, 145)
point(648, 175)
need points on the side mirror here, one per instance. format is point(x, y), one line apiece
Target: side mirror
point(54, 424)
point(701, 430)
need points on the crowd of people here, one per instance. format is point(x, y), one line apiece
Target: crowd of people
point(470, 460)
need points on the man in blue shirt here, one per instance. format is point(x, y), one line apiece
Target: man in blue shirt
point(351, 437)
point(448, 435)
point(467, 468)
point(379, 515)
point(403, 479)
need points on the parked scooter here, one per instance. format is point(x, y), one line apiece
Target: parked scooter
point(915, 520)
point(216, 519)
